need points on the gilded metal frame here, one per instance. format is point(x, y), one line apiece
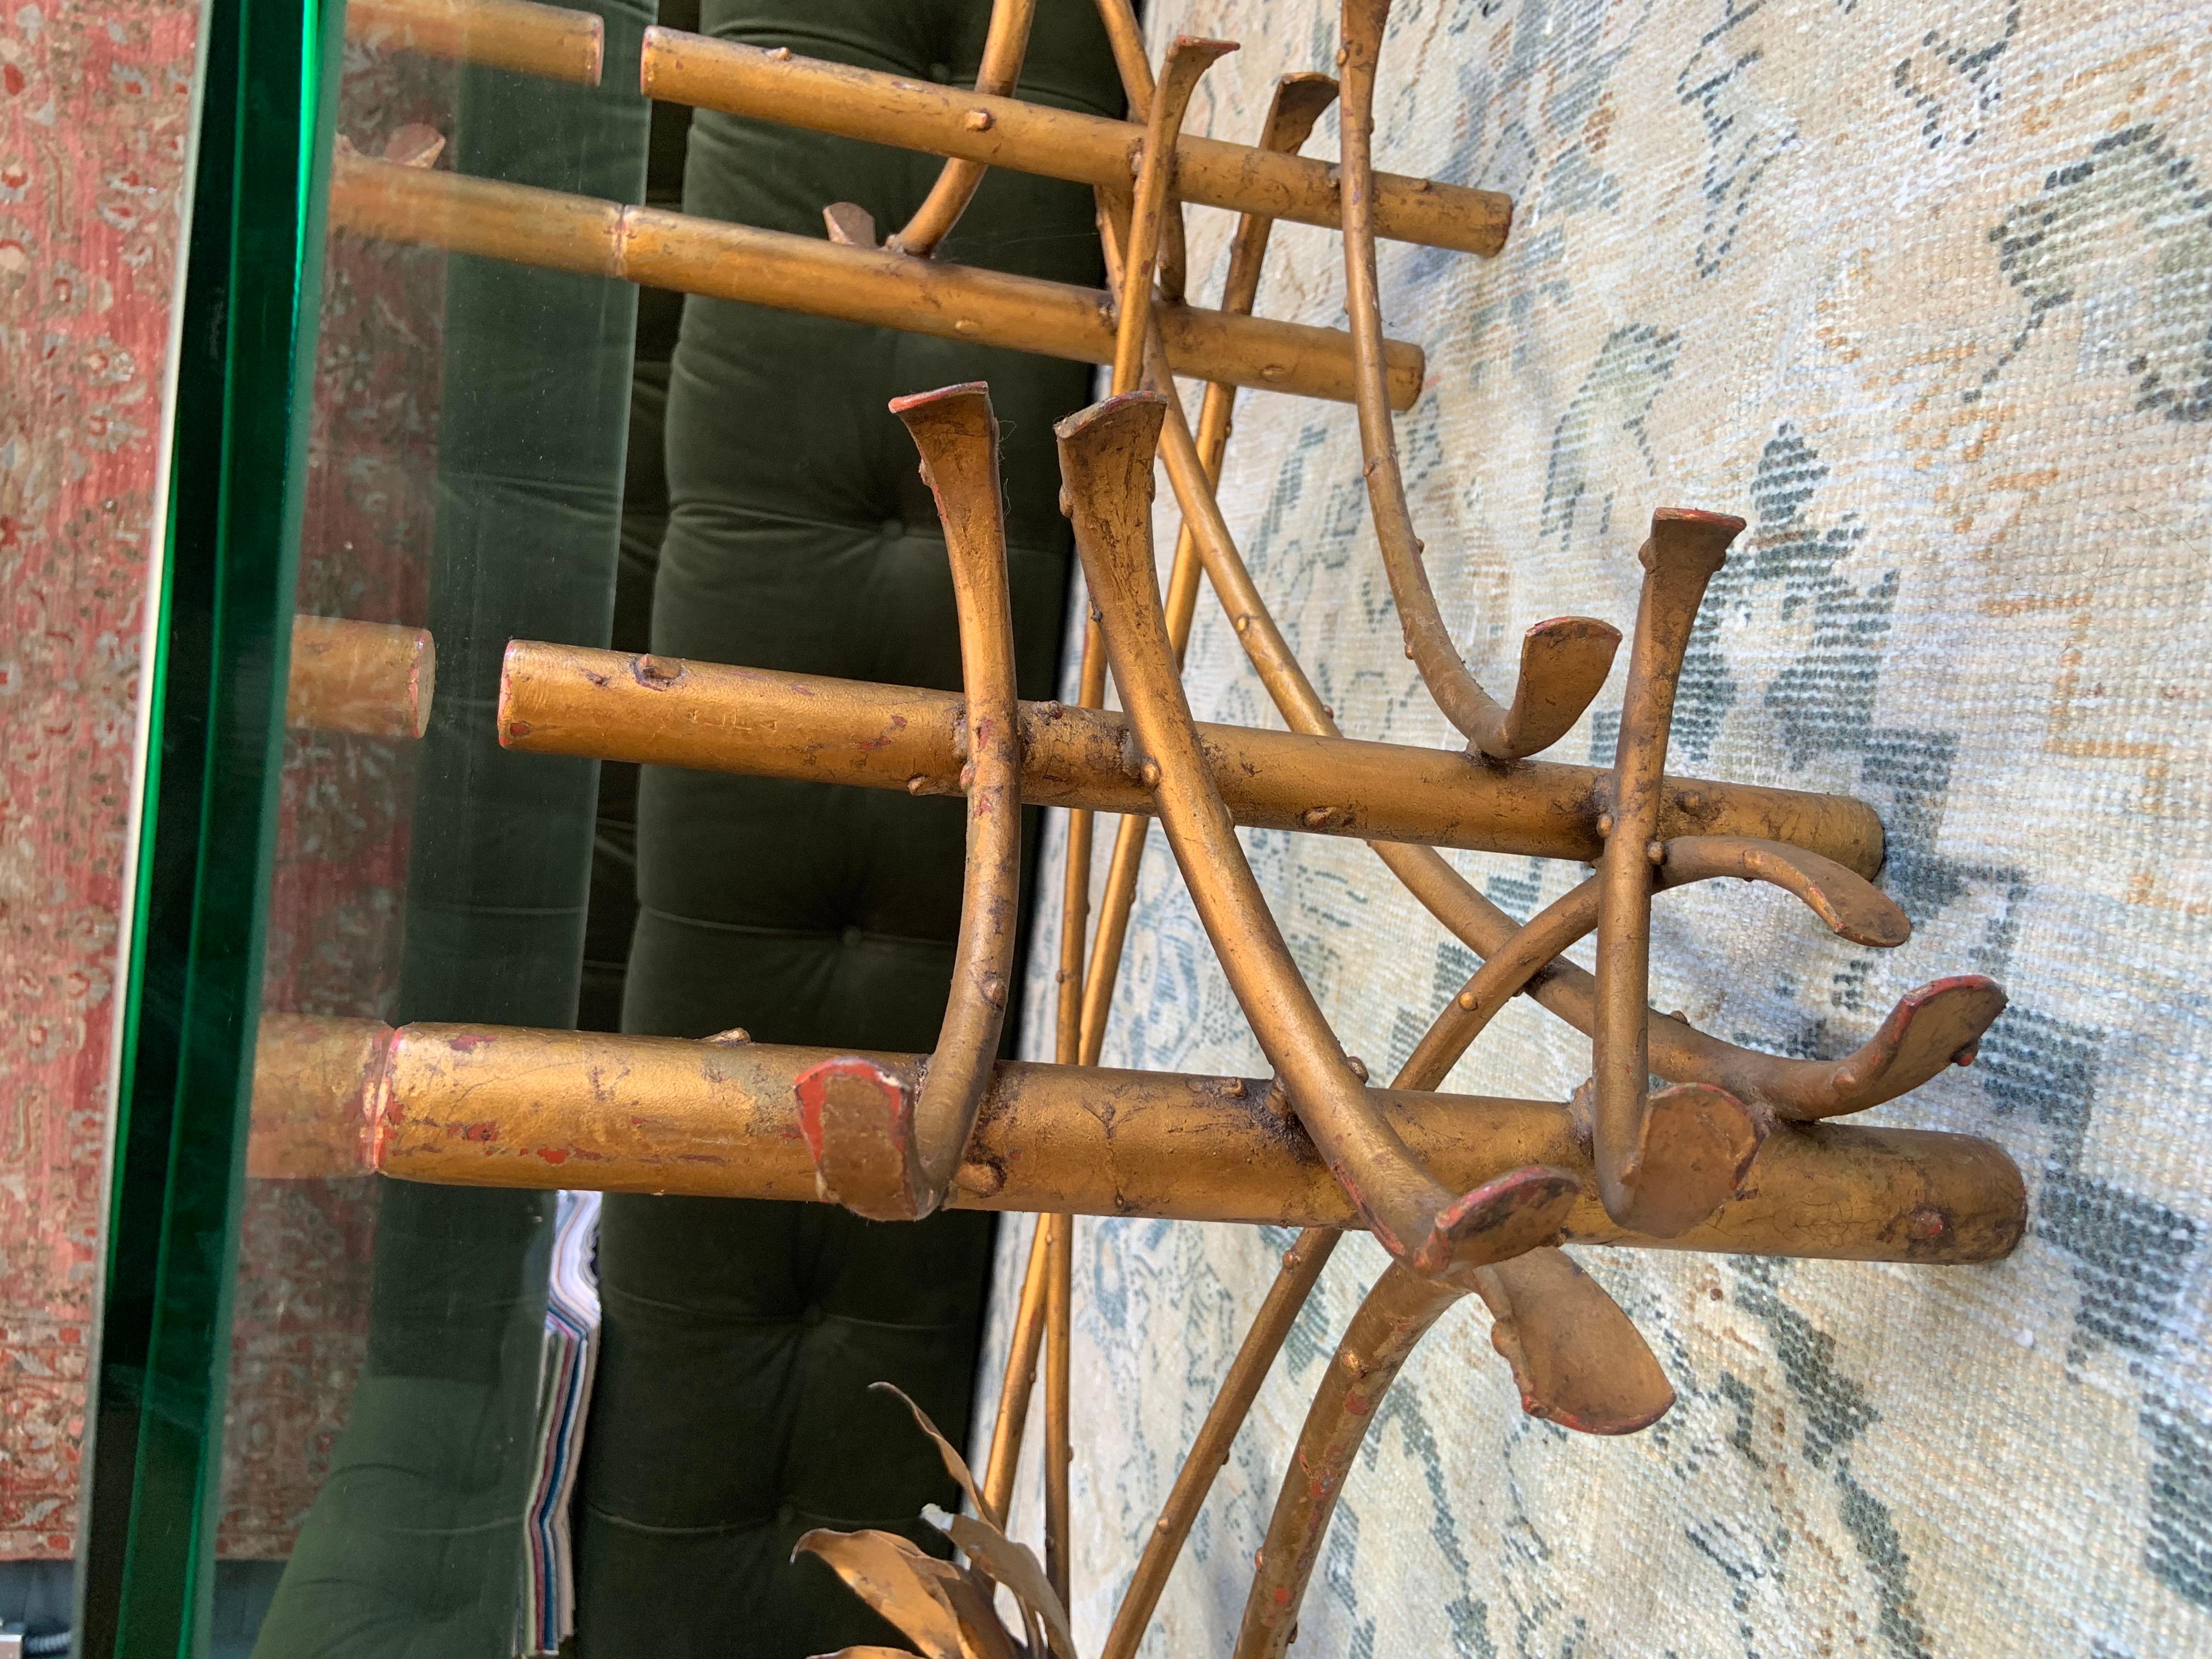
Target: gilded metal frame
point(1468, 1195)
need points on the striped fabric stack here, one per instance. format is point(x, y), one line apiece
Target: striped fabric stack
point(572, 1349)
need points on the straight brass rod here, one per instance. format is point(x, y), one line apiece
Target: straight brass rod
point(1026, 138)
point(551, 41)
point(571, 700)
point(1299, 101)
point(656, 248)
point(1059, 1391)
point(372, 679)
point(486, 1106)
point(1285, 1299)
point(1022, 1344)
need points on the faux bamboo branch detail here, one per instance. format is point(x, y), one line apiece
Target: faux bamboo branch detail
point(473, 1105)
point(1086, 149)
point(659, 249)
point(572, 700)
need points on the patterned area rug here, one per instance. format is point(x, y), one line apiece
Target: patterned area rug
point(1923, 291)
point(95, 112)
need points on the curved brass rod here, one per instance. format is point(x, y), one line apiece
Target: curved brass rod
point(1851, 906)
point(1931, 1029)
point(1187, 59)
point(1005, 45)
point(1576, 1358)
point(878, 1150)
point(1632, 1125)
point(1106, 461)
point(1299, 101)
point(1565, 662)
point(1397, 1314)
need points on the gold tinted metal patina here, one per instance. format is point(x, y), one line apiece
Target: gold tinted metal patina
point(1469, 1195)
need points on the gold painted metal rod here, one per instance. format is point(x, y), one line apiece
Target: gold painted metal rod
point(1059, 1383)
point(314, 1089)
point(1106, 455)
point(1299, 101)
point(371, 679)
point(879, 1150)
point(572, 700)
point(1565, 662)
point(487, 1106)
point(1666, 1160)
point(1278, 1310)
point(1005, 45)
point(549, 41)
point(1125, 38)
point(1024, 1343)
point(660, 249)
point(1397, 1313)
point(1025, 137)
point(1187, 59)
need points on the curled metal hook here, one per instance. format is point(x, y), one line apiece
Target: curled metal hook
point(1565, 662)
point(878, 1150)
point(1648, 1146)
point(1106, 460)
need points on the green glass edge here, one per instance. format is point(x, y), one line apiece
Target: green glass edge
point(154, 1489)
